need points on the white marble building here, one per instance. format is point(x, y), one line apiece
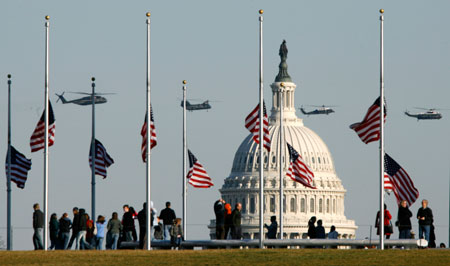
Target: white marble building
point(242, 185)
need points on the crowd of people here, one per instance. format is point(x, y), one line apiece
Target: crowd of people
point(424, 217)
point(87, 234)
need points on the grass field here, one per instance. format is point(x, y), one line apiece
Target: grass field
point(229, 257)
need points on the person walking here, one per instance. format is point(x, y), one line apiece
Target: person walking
point(388, 230)
point(404, 220)
point(312, 227)
point(114, 226)
point(75, 228)
point(219, 211)
point(176, 234)
point(64, 230)
point(425, 217)
point(236, 229)
point(320, 230)
point(100, 236)
point(54, 231)
point(272, 228)
point(82, 226)
point(168, 216)
point(38, 227)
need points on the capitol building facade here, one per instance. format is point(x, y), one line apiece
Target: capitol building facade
point(300, 203)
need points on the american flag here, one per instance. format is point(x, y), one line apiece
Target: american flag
point(368, 130)
point(38, 138)
point(20, 166)
point(298, 170)
point(102, 159)
point(400, 182)
point(197, 175)
point(144, 136)
point(252, 124)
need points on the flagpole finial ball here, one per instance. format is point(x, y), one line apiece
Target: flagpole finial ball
point(93, 79)
point(381, 11)
point(148, 14)
point(184, 81)
point(9, 76)
point(47, 17)
point(261, 11)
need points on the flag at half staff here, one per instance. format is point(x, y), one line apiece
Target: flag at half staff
point(298, 170)
point(400, 182)
point(197, 175)
point(37, 140)
point(20, 166)
point(144, 136)
point(252, 124)
point(102, 159)
point(368, 130)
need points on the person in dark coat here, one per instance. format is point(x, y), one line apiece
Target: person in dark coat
point(176, 234)
point(425, 217)
point(219, 211)
point(38, 226)
point(167, 216)
point(404, 220)
point(82, 226)
point(432, 242)
point(54, 231)
point(142, 219)
point(272, 228)
point(320, 230)
point(312, 227)
point(75, 228)
point(128, 223)
point(133, 230)
point(236, 229)
point(64, 230)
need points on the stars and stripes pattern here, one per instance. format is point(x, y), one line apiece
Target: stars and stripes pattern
point(197, 175)
point(368, 130)
point(102, 159)
point(400, 182)
point(20, 166)
point(37, 140)
point(144, 136)
point(298, 170)
point(252, 124)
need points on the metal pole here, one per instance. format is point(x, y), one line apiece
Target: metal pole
point(184, 161)
point(93, 152)
point(381, 225)
point(46, 136)
point(148, 141)
point(281, 91)
point(261, 137)
point(8, 187)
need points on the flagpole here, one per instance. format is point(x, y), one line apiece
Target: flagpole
point(93, 153)
point(261, 137)
point(47, 24)
point(184, 161)
point(381, 224)
point(148, 142)
point(8, 187)
point(281, 91)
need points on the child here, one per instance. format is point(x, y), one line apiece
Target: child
point(176, 233)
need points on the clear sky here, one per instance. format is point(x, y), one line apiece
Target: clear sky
point(333, 59)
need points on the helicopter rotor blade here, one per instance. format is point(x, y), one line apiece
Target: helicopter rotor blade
point(97, 93)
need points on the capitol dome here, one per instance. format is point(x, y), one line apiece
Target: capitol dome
point(300, 203)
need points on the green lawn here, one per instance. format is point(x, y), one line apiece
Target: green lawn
point(229, 257)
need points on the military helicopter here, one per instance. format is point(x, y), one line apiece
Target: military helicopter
point(200, 106)
point(430, 114)
point(84, 100)
point(321, 110)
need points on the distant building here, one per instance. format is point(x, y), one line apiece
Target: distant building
point(242, 185)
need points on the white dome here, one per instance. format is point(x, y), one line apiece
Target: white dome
point(300, 203)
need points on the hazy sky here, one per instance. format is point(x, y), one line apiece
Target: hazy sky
point(333, 59)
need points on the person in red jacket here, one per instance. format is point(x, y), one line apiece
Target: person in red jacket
point(388, 229)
